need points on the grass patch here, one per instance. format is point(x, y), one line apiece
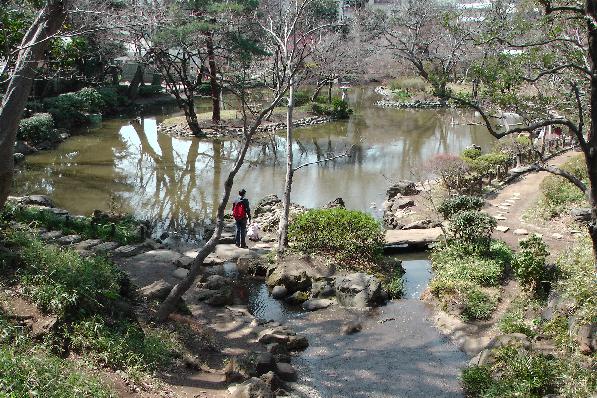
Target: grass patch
point(558, 194)
point(514, 320)
point(469, 281)
point(518, 373)
point(36, 373)
point(124, 231)
point(124, 345)
point(62, 282)
point(92, 299)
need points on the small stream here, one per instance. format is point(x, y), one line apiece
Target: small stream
point(398, 353)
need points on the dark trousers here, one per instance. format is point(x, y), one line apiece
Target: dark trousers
point(241, 232)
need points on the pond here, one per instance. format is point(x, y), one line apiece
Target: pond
point(175, 183)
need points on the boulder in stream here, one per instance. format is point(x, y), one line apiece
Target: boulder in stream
point(359, 290)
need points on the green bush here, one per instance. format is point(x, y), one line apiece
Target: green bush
point(36, 373)
point(69, 110)
point(456, 204)
point(37, 128)
point(471, 153)
point(478, 305)
point(66, 109)
point(345, 234)
point(513, 320)
point(476, 380)
point(338, 109)
point(395, 286)
point(150, 90)
point(90, 99)
point(530, 264)
point(123, 345)
point(472, 229)
point(61, 281)
point(518, 373)
point(301, 98)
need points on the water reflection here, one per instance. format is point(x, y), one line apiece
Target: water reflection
point(176, 182)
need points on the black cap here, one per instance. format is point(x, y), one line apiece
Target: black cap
point(242, 192)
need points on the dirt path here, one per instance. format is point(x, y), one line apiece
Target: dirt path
point(510, 204)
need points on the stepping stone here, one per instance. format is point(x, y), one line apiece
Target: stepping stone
point(502, 228)
point(128, 251)
point(516, 194)
point(180, 273)
point(69, 240)
point(52, 235)
point(286, 371)
point(521, 231)
point(510, 201)
point(538, 235)
point(500, 218)
point(56, 211)
point(575, 232)
point(505, 208)
point(505, 204)
point(88, 244)
point(185, 262)
point(105, 247)
point(557, 236)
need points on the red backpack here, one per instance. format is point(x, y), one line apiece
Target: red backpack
point(238, 210)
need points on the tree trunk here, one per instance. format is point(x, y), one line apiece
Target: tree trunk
point(213, 80)
point(191, 117)
point(591, 156)
point(318, 90)
point(283, 228)
point(34, 45)
point(133, 91)
point(330, 85)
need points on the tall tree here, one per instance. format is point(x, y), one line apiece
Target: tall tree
point(30, 54)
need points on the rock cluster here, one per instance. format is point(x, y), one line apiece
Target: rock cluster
point(301, 285)
point(268, 210)
point(215, 290)
point(397, 207)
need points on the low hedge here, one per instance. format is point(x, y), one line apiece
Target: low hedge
point(37, 128)
point(347, 235)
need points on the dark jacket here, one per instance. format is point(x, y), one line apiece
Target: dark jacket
point(245, 202)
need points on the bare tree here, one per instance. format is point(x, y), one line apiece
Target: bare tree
point(254, 109)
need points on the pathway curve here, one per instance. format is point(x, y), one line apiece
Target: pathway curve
point(510, 204)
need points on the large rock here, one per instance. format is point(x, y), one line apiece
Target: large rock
point(38, 200)
point(266, 204)
point(292, 277)
point(337, 203)
point(24, 148)
point(404, 187)
point(316, 304)
point(322, 288)
point(286, 371)
point(279, 292)
point(581, 214)
point(158, 290)
point(215, 282)
point(359, 290)
point(216, 298)
point(252, 388)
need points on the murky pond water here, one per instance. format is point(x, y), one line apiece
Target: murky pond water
point(175, 182)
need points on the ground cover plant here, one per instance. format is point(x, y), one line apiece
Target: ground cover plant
point(123, 230)
point(469, 266)
point(92, 300)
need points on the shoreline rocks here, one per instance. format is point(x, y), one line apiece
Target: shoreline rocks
point(182, 130)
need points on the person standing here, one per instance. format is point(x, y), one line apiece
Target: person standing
point(241, 212)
